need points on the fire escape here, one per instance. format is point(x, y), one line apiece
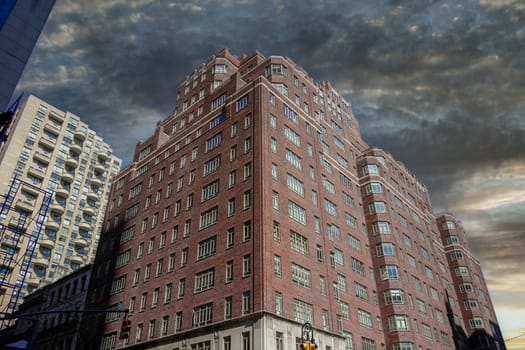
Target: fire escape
point(19, 233)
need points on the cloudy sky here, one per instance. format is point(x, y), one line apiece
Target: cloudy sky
point(439, 84)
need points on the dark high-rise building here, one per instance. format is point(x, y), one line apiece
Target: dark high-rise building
point(21, 22)
point(256, 208)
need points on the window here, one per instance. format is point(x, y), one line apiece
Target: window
point(212, 165)
point(202, 315)
point(297, 212)
point(303, 312)
point(242, 103)
point(293, 159)
point(216, 103)
point(295, 184)
point(232, 178)
point(247, 121)
point(247, 170)
point(279, 342)
point(208, 218)
point(247, 200)
point(228, 303)
point(374, 187)
point(364, 318)
point(247, 144)
point(182, 287)
point(273, 145)
point(246, 301)
point(167, 293)
point(229, 271)
point(118, 284)
point(385, 249)
point(275, 200)
point(301, 276)
point(330, 207)
point(184, 257)
point(461, 271)
point(466, 287)
point(276, 231)
point(231, 206)
point(334, 233)
point(246, 266)
point(361, 291)
point(178, 321)
point(277, 270)
point(377, 207)
point(207, 248)
point(230, 235)
point(275, 68)
point(404, 346)
point(389, 272)
point(399, 323)
point(278, 303)
point(213, 142)
point(292, 136)
point(354, 243)
point(273, 121)
point(247, 231)
point(246, 341)
point(211, 190)
point(327, 184)
point(299, 243)
point(204, 280)
point(381, 227)
point(394, 296)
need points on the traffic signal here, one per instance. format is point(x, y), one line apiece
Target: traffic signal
point(125, 329)
point(308, 345)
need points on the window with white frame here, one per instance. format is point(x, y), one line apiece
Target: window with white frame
point(204, 280)
point(208, 218)
point(296, 212)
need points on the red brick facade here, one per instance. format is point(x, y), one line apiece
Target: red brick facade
point(291, 185)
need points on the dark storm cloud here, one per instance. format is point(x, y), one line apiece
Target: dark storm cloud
point(439, 84)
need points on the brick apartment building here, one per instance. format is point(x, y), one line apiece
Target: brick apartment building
point(257, 207)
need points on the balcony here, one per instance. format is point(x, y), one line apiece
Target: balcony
point(47, 142)
point(62, 192)
point(18, 222)
point(95, 181)
point(52, 129)
point(42, 157)
point(84, 225)
point(89, 211)
point(42, 262)
point(77, 259)
point(57, 208)
point(103, 156)
point(99, 168)
point(81, 242)
point(52, 225)
point(25, 204)
point(79, 134)
point(47, 243)
point(75, 149)
point(9, 240)
point(92, 196)
point(36, 172)
point(68, 177)
point(72, 162)
point(33, 282)
point(59, 119)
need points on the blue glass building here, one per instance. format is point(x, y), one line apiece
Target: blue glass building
point(21, 22)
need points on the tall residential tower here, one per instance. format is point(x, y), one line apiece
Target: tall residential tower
point(257, 207)
point(54, 151)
